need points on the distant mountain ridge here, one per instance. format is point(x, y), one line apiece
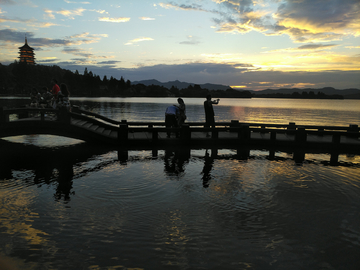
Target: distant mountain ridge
point(351, 93)
point(182, 85)
point(325, 90)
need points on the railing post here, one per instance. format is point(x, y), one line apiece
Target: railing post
point(185, 134)
point(75, 109)
point(123, 133)
point(291, 128)
point(3, 116)
point(23, 115)
point(244, 133)
point(42, 115)
point(300, 136)
point(273, 136)
point(214, 133)
point(234, 125)
point(353, 130)
point(336, 138)
point(154, 134)
point(63, 115)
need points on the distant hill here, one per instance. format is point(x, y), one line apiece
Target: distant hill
point(352, 93)
point(182, 85)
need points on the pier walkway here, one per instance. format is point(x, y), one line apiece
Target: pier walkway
point(95, 128)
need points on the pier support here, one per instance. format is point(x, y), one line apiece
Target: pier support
point(123, 156)
point(334, 158)
point(299, 156)
point(243, 153)
point(271, 154)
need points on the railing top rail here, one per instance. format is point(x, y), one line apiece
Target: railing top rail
point(233, 123)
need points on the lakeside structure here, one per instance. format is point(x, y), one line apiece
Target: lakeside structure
point(92, 127)
point(27, 54)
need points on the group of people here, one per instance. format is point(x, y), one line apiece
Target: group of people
point(57, 97)
point(175, 115)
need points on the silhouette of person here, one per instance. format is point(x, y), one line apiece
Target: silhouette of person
point(55, 90)
point(174, 161)
point(182, 111)
point(209, 112)
point(65, 181)
point(34, 97)
point(171, 116)
point(46, 97)
point(63, 97)
point(208, 164)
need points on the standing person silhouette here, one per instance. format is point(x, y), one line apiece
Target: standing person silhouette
point(209, 112)
point(55, 91)
point(182, 113)
point(63, 97)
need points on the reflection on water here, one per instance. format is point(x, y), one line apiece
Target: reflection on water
point(65, 204)
point(258, 110)
point(80, 207)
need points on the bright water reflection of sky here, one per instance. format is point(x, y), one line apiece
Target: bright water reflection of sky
point(244, 44)
point(315, 104)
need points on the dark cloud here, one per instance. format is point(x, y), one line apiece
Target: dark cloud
point(307, 20)
point(111, 62)
point(14, 36)
point(183, 6)
point(76, 51)
point(316, 46)
point(302, 20)
point(19, 37)
point(46, 61)
point(7, 2)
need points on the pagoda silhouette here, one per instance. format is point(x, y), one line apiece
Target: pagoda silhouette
point(27, 54)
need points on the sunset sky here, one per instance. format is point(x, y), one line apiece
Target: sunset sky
point(247, 44)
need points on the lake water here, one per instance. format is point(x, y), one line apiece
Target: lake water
point(65, 204)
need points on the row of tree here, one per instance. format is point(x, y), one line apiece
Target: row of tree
point(303, 95)
point(19, 78)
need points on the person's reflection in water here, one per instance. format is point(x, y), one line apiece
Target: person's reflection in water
point(5, 171)
point(65, 182)
point(174, 161)
point(43, 173)
point(208, 164)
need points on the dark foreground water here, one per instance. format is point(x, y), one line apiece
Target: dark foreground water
point(65, 204)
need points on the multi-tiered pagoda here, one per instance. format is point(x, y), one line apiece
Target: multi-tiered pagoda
point(27, 54)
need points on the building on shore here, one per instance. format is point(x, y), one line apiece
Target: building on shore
point(27, 54)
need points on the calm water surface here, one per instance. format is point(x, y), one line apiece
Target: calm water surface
point(65, 204)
